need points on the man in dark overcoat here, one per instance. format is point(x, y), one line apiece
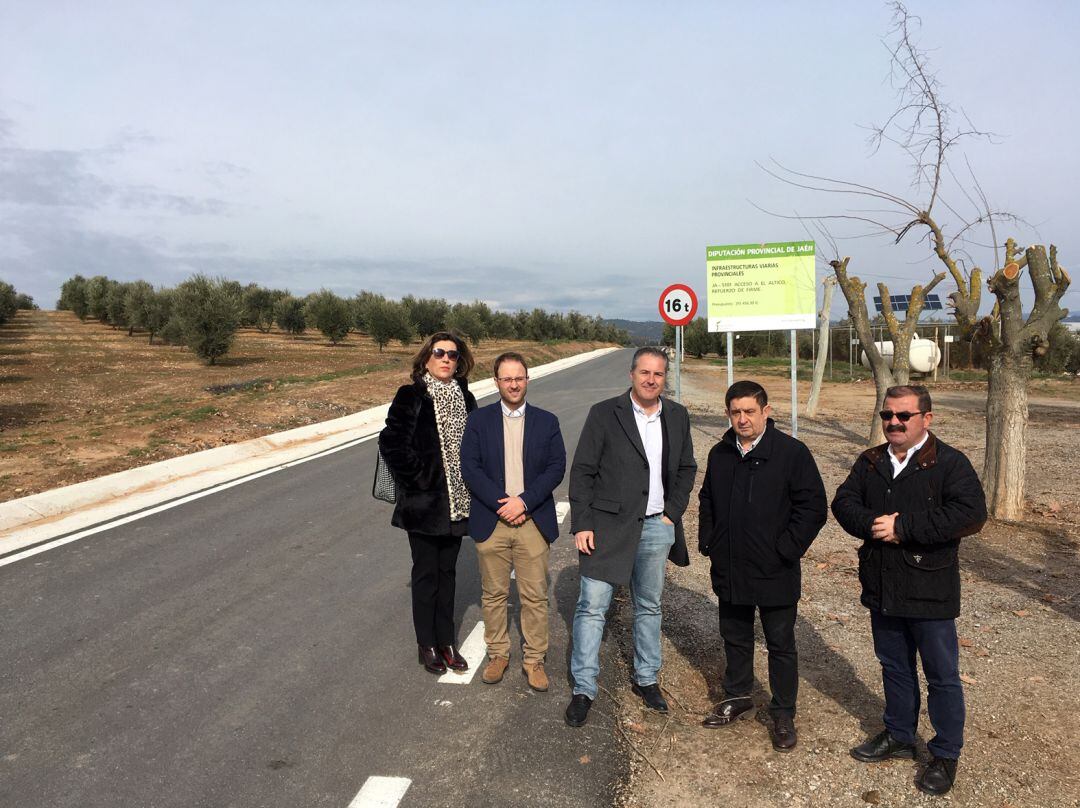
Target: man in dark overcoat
point(911, 500)
point(761, 506)
point(630, 483)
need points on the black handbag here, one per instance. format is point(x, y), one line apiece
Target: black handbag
point(383, 487)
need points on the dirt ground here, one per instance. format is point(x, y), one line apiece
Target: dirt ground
point(79, 400)
point(1019, 629)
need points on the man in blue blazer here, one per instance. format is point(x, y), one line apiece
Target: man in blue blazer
point(512, 457)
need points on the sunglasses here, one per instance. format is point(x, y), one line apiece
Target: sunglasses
point(902, 417)
point(439, 353)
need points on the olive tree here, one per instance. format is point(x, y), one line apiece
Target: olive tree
point(289, 315)
point(207, 313)
point(329, 313)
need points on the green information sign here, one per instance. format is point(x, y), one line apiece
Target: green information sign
point(761, 287)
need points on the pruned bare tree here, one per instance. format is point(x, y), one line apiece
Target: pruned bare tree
point(1013, 341)
point(900, 332)
point(922, 127)
point(886, 373)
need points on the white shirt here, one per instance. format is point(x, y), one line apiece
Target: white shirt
point(509, 413)
point(652, 437)
point(899, 465)
point(757, 440)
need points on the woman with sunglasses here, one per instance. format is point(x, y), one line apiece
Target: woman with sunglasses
point(421, 444)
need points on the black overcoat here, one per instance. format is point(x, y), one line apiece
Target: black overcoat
point(609, 485)
point(940, 500)
point(758, 515)
point(410, 445)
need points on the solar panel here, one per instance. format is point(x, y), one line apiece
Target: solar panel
point(901, 302)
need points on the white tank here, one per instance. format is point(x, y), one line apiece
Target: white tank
point(924, 353)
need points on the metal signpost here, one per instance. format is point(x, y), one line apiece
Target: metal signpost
point(678, 305)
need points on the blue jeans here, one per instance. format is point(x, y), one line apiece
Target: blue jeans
point(646, 587)
point(896, 642)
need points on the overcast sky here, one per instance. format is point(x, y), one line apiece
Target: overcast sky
point(577, 155)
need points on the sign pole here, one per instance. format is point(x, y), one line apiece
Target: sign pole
point(794, 385)
point(678, 305)
point(678, 363)
point(730, 359)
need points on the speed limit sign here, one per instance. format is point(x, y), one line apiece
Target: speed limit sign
point(678, 304)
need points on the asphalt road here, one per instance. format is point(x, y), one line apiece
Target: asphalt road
point(255, 648)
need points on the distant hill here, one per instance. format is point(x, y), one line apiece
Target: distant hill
point(641, 332)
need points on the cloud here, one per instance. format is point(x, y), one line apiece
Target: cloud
point(72, 179)
point(222, 170)
point(146, 197)
point(49, 178)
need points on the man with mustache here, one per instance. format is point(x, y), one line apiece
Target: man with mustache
point(911, 500)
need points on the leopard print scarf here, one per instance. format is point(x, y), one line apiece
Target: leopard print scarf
point(450, 415)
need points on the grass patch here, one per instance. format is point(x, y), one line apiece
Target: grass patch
point(360, 370)
point(238, 387)
point(201, 413)
point(168, 415)
point(9, 447)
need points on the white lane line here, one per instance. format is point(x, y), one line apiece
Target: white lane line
point(474, 650)
point(90, 531)
point(381, 792)
point(561, 509)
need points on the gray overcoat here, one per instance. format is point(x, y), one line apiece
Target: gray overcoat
point(609, 485)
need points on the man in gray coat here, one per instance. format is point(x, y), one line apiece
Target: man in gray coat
point(629, 486)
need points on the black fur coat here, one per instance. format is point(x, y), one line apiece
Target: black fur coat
point(410, 445)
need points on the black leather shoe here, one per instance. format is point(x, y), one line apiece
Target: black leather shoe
point(431, 660)
point(883, 746)
point(650, 694)
point(938, 777)
point(728, 712)
point(784, 736)
point(577, 712)
point(453, 660)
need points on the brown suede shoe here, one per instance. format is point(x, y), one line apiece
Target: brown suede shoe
point(538, 679)
point(494, 670)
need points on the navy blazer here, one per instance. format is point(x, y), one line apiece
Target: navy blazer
point(483, 468)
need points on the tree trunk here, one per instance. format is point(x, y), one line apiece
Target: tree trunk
point(877, 431)
point(854, 291)
point(1006, 452)
point(823, 345)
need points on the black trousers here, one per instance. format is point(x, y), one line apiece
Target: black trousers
point(434, 581)
point(778, 624)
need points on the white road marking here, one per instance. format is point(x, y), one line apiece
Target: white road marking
point(381, 792)
point(90, 531)
point(474, 650)
point(561, 509)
